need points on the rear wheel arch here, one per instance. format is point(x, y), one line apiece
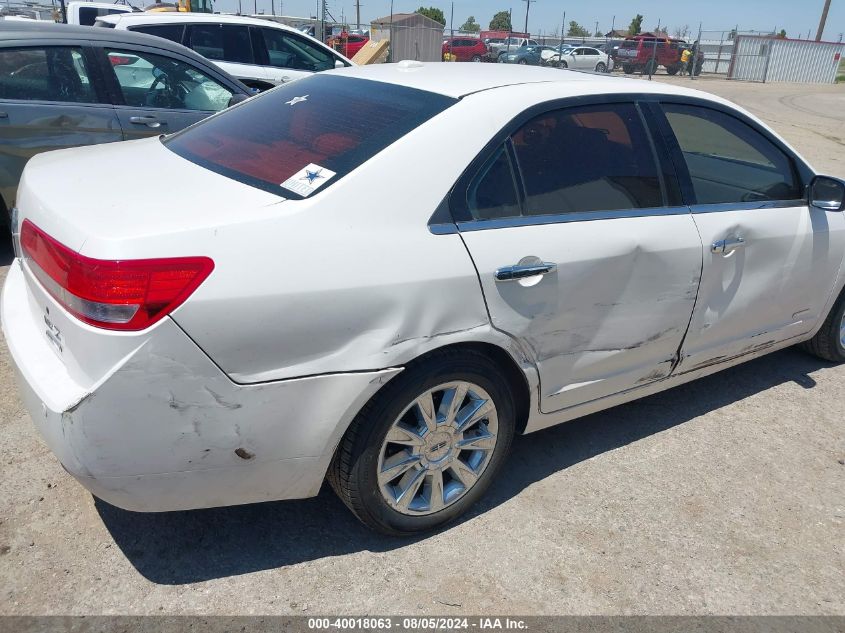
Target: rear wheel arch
point(502, 362)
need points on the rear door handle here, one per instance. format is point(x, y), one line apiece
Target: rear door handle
point(149, 121)
point(4, 115)
point(728, 245)
point(511, 273)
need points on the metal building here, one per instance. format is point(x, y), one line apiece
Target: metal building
point(763, 58)
point(411, 35)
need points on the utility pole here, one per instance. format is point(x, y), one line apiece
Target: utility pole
point(823, 20)
point(527, 7)
point(358, 14)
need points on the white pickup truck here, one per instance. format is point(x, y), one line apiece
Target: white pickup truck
point(86, 13)
point(510, 44)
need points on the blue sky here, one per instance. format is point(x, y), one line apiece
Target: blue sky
point(796, 16)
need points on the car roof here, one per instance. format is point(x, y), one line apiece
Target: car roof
point(44, 30)
point(21, 33)
point(164, 17)
point(460, 80)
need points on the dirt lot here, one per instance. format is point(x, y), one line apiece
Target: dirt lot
point(724, 496)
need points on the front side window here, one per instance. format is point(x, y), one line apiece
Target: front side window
point(285, 50)
point(729, 161)
point(306, 135)
point(156, 81)
point(52, 73)
point(222, 42)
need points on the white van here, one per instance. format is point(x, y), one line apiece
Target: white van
point(260, 53)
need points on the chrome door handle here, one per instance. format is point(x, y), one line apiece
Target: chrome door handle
point(728, 245)
point(149, 121)
point(511, 273)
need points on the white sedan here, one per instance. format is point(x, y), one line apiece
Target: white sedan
point(582, 58)
point(313, 289)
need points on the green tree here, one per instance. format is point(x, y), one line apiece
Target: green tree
point(471, 26)
point(782, 34)
point(433, 13)
point(636, 25)
point(501, 22)
point(576, 30)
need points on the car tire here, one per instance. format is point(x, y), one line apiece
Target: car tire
point(672, 70)
point(627, 69)
point(650, 68)
point(562, 64)
point(476, 59)
point(601, 67)
point(829, 341)
point(365, 448)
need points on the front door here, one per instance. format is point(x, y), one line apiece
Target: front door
point(770, 260)
point(161, 94)
point(289, 56)
point(49, 99)
point(579, 256)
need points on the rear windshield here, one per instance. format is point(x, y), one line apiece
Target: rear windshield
point(303, 136)
point(629, 44)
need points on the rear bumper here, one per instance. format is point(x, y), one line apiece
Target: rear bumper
point(165, 429)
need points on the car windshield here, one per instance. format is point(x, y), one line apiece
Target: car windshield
point(308, 134)
point(629, 44)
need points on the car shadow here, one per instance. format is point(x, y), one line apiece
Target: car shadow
point(183, 547)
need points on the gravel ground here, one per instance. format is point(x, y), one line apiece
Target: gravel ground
point(724, 496)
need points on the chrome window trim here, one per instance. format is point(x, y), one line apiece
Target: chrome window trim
point(722, 207)
point(565, 218)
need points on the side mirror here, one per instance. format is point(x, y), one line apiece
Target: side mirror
point(827, 193)
point(339, 64)
point(236, 99)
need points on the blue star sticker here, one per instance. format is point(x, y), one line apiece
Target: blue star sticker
point(311, 176)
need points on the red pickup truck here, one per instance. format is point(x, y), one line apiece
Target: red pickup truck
point(645, 53)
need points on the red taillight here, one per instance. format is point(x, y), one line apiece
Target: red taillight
point(117, 295)
point(121, 60)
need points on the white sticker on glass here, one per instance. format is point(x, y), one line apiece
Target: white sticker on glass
point(308, 180)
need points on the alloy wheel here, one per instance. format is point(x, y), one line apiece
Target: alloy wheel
point(438, 448)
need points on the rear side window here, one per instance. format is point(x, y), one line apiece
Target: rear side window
point(729, 161)
point(172, 32)
point(306, 135)
point(222, 42)
point(52, 73)
point(591, 158)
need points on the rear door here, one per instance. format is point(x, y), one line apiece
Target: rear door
point(158, 93)
point(51, 97)
point(230, 46)
point(770, 259)
point(590, 263)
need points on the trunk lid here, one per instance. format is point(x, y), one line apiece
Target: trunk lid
point(102, 200)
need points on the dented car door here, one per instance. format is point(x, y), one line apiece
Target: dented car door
point(586, 262)
point(770, 259)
